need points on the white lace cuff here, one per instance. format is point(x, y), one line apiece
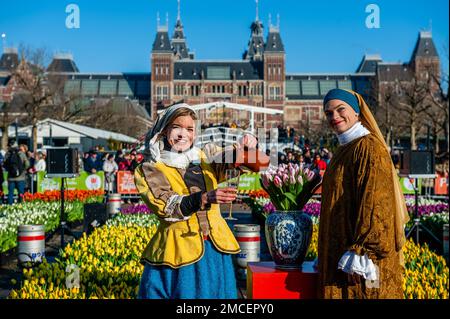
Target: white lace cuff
point(173, 211)
point(351, 263)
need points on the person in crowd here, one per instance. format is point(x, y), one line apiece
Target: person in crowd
point(30, 156)
point(119, 157)
point(40, 165)
point(307, 156)
point(363, 211)
point(134, 162)
point(30, 171)
point(282, 159)
point(125, 164)
point(318, 163)
point(92, 164)
point(2, 156)
point(16, 164)
point(301, 160)
point(190, 254)
point(291, 158)
point(85, 157)
point(110, 168)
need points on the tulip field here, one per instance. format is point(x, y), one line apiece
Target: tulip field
point(109, 265)
point(42, 209)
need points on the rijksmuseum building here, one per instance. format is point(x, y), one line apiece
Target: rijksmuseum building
point(259, 79)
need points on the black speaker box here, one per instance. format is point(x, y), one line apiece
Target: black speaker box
point(417, 163)
point(62, 160)
point(95, 215)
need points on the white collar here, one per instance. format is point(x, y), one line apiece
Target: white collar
point(173, 159)
point(180, 160)
point(356, 131)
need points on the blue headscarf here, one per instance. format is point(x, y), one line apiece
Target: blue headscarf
point(343, 95)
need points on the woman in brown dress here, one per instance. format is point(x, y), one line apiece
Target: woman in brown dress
point(363, 210)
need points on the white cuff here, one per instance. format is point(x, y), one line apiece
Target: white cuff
point(173, 210)
point(351, 263)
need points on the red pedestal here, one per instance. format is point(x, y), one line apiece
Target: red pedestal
point(264, 281)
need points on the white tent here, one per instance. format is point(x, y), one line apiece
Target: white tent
point(235, 106)
point(73, 134)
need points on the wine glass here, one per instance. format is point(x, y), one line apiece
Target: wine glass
point(232, 180)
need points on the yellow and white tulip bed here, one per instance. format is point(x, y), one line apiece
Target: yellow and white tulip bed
point(109, 266)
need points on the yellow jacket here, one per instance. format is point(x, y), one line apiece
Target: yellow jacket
point(180, 243)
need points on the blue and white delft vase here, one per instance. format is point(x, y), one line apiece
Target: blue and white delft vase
point(288, 235)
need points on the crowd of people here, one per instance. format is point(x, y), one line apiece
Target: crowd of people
point(110, 163)
point(19, 168)
point(316, 158)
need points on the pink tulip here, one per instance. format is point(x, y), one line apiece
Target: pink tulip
point(310, 175)
point(277, 181)
point(300, 179)
point(285, 179)
point(292, 179)
point(291, 170)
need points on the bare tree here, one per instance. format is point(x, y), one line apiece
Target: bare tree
point(413, 102)
point(65, 105)
point(31, 85)
point(5, 122)
point(438, 91)
point(37, 57)
point(384, 97)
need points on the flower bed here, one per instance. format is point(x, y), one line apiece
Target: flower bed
point(426, 273)
point(84, 196)
point(137, 219)
point(135, 209)
point(109, 266)
point(433, 214)
point(42, 209)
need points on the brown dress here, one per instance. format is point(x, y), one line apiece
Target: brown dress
point(357, 214)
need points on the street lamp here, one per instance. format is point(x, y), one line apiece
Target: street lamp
point(4, 41)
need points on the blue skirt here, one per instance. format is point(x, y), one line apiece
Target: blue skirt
point(212, 277)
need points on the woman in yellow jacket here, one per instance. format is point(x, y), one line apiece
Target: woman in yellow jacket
point(190, 254)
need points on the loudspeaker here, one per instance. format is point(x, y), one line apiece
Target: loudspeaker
point(62, 160)
point(417, 163)
point(95, 215)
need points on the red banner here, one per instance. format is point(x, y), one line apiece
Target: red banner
point(125, 183)
point(441, 184)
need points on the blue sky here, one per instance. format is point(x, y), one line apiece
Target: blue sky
point(319, 36)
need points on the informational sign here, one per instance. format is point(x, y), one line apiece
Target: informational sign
point(441, 184)
point(408, 184)
point(247, 182)
point(85, 181)
point(125, 183)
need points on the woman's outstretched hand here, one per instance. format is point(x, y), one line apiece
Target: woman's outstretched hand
point(219, 196)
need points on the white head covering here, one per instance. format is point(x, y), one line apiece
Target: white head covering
point(154, 144)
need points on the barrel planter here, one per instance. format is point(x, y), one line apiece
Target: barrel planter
point(113, 204)
point(249, 240)
point(31, 244)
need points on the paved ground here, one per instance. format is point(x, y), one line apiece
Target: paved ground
point(9, 269)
